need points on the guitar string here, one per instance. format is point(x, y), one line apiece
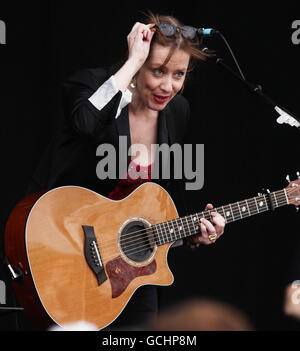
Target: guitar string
point(143, 247)
point(187, 224)
point(235, 213)
point(166, 236)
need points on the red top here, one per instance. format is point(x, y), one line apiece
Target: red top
point(135, 176)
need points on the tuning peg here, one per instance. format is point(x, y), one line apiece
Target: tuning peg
point(298, 175)
point(259, 194)
point(288, 178)
point(297, 208)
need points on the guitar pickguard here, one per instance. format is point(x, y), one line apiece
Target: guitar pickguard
point(121, 273)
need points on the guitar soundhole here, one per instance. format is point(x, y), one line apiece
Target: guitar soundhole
point(137, 241)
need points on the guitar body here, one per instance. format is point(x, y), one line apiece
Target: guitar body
point(52, 239)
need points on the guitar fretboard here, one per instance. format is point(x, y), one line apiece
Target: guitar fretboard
point(182, 227)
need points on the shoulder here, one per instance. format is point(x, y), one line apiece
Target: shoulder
point(92, 77)
point(180, 100)
point(179, 110)
point(178, 117)
point(179, 105)
point(89, 77)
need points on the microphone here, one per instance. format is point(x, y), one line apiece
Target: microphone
point(207, 32)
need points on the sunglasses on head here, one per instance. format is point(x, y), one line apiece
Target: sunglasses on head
point(169, 30)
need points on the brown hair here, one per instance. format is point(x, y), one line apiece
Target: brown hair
point(177, 41)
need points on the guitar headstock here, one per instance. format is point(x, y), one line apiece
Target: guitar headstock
point(293, 191)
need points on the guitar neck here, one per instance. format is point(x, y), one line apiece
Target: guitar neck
point(183, 227)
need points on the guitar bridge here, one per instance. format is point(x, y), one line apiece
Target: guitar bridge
point(92, 254)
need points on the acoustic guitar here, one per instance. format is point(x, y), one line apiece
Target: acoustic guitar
point(78, 256)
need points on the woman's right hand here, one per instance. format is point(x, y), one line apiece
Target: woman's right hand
point(139, 40)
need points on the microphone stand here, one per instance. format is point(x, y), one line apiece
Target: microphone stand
point(284, 115)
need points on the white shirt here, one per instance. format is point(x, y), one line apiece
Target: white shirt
point(106, 92)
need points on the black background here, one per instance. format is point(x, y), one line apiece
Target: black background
point(245, 149)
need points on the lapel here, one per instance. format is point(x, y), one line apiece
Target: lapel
point(163, 137)
point(166, 134)
point(162, 134)
point(170, 120)
point(123, 128)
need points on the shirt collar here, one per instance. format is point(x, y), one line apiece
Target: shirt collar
point(125, 100)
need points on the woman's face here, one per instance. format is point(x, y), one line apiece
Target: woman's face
point(156, 85)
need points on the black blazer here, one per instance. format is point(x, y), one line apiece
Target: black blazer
point(71, 159)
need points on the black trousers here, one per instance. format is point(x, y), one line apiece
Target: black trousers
point(142, 307)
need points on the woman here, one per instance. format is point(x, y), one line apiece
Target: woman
point(140, 99)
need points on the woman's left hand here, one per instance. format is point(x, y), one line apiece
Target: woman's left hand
point(210, 231)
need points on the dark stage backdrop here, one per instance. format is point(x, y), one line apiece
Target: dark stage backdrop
point(245, 149)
